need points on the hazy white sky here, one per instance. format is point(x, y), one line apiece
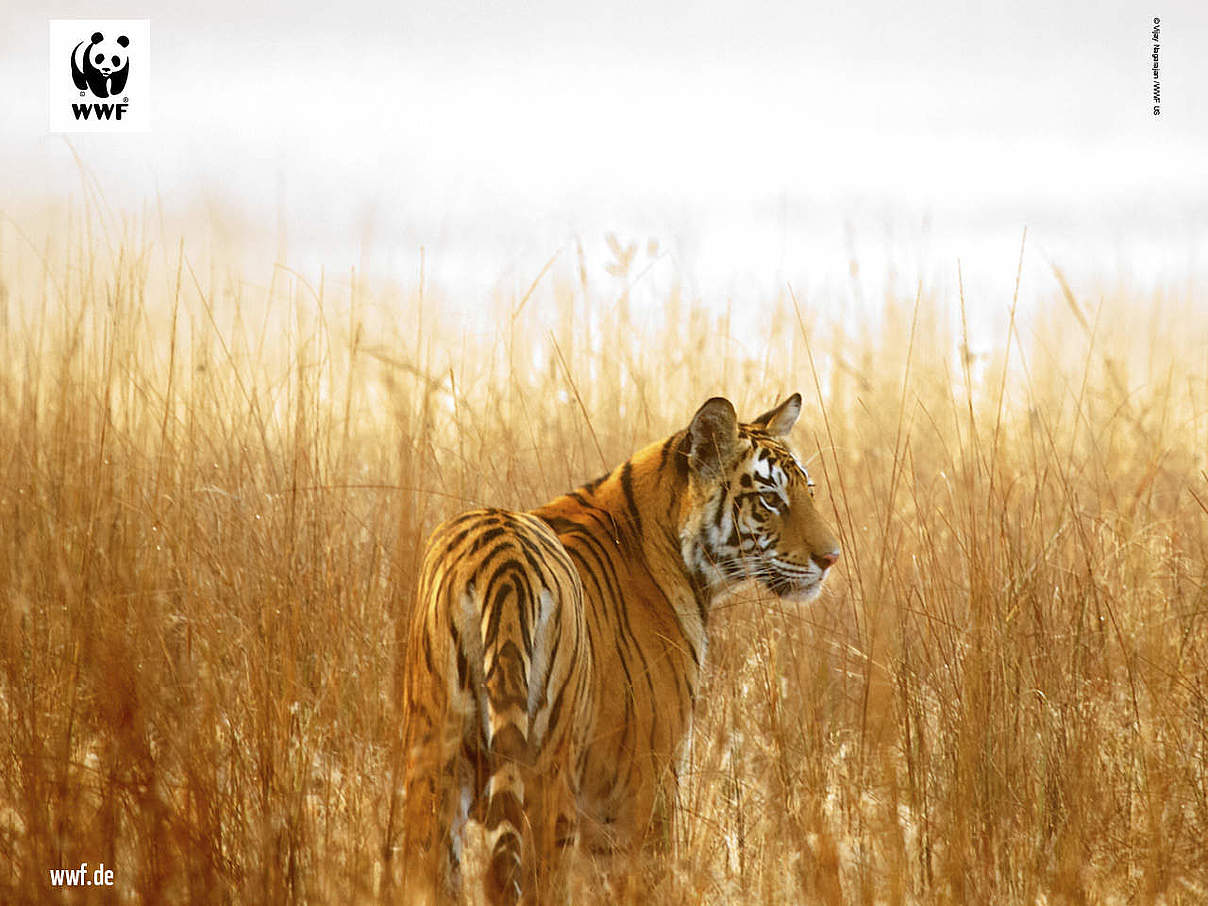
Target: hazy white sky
point(758, 136)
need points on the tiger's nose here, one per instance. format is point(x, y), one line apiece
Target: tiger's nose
point(826, 560)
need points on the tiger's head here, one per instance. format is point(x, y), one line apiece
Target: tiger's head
point(749, 508)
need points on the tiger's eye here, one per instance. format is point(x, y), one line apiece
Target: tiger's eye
point(770, 501)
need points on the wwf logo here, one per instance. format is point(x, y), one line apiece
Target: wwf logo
point(100, 75)
point(101, 66)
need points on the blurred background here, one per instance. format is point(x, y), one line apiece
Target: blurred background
point(742, 148)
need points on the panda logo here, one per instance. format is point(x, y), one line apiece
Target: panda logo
point(102, 67)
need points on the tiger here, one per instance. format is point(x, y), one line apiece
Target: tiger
point(553, 656)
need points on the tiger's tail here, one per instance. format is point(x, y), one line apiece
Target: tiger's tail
point(511, 676)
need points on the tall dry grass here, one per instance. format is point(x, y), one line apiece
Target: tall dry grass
point(214, 487)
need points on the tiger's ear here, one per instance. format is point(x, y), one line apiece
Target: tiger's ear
point(780, 420)
point(712, 436)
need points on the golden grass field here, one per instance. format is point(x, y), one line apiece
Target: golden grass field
point(214, 487)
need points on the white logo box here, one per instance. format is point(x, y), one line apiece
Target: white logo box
point(74, 105)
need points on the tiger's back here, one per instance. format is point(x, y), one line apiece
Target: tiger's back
point(647, 641)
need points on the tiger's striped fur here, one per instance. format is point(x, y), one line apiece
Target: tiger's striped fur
point(555, 656)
